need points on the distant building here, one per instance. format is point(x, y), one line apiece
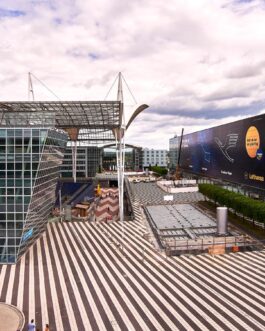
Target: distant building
point(88, 161)
point(133, 160)
point(155, 157)
point(91, 160)
point(173, 152)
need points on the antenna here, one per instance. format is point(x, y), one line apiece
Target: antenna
point(30, 88)
point(128, 88)
point(121, 78)
point(120, 91)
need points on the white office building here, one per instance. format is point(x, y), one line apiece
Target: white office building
point(155, 157)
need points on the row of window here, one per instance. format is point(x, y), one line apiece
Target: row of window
point(6, 217)
point(23, 132)
point(13, 237)
point(18, 199)
point(21, 141)
point(155, 160)
point(19, 208)
point(11, 182)
point(19, 149)
point(154, 163)
point(14, 191)
point(155, 152)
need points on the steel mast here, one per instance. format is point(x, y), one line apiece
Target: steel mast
point(120, 152)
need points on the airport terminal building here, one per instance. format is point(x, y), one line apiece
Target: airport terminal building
point(30, 165)
point(33, 138)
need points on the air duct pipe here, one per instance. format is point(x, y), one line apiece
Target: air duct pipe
point(222, 221)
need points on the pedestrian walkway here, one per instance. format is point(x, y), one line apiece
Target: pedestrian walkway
point(84, 276)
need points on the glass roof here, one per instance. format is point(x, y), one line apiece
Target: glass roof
point(93, 121)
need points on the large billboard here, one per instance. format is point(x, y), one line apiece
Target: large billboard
point(233, 152)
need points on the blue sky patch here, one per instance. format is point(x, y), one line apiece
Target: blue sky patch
point(93, 56)
point(11, 13)
point(244, 0)
point(58, 21)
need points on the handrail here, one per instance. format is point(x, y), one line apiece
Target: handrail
point(200, 244)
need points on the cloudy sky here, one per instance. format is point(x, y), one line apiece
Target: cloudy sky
point(196, 63)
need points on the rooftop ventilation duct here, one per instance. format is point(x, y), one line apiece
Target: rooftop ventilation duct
point(222, 221)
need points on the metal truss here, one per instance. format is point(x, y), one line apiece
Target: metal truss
point(95, 118)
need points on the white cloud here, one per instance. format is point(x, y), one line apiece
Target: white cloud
point(196, 63)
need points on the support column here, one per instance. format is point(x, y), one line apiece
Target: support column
point(74, 152)
point(120, 154)
point(120, 151)
point(73, 135)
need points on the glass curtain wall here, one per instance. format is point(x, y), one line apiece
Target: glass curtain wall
point(88, 162)
point(29, 168)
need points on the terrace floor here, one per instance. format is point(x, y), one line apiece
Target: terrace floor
point(85, 276)
point(150, 193)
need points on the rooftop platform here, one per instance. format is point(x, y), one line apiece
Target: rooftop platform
point(184, 228)
point(77, 277)
point(178, 217)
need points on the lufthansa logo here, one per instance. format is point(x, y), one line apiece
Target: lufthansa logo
point(256, 177)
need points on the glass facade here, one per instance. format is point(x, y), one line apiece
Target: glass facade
point(91, 160)
point(88, 162)
point(30, 160)
point(132, 162)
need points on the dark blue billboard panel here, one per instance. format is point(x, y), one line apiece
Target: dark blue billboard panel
point(233, 152)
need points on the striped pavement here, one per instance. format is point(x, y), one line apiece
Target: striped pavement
point(137, 211)
point(108, 206)
point(151, 193)
point(106, 277)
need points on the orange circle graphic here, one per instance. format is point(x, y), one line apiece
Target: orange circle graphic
point(252, 141)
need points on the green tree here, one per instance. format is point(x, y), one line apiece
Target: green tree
point(159, 170)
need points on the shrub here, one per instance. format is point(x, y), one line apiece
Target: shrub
point(159, 170)
point(248, 207)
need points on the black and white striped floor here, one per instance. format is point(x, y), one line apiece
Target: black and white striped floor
point(91, 276)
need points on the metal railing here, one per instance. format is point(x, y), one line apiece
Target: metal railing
point(200, 245)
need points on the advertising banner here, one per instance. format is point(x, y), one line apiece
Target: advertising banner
point(233, 152)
